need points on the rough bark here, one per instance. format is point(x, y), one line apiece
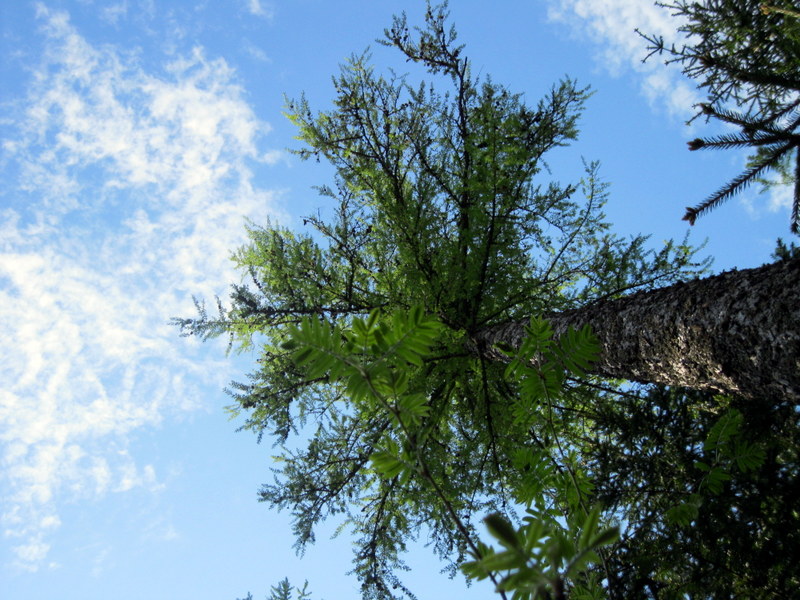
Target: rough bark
point(735, 333)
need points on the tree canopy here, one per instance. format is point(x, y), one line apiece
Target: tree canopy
point(443, 221)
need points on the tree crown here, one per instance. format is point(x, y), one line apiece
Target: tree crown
point(441, 224)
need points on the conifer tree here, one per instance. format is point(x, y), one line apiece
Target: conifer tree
point(745, 54)
point(440, 204)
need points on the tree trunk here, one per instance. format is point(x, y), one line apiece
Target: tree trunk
point(735, 333)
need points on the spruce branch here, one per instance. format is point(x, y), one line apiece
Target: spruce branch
point(737, 184)
point(741, 140)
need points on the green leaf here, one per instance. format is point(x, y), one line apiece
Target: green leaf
point(503, 561)
point(578, 349)
point(589, 527)
point(501, 529)
point(748, 457)
point(373, 319)
point(684, 513)
point(715, 480)
point(387, 464)
point(605, 537)
point(380, 340)
point(414, 405)
point(728, 425)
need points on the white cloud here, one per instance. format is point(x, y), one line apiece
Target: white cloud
point(31, 553)
point(129, 190)
point(781, 197)
point(99, 561)
point(258, 8)
point(612, 25)
point(114, 12)
point(255, 52)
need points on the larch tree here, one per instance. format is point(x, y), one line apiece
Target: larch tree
point(406, 370)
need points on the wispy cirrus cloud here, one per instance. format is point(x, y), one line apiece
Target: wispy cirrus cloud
point(612, 24)
point(125, 192)
point(259, 8)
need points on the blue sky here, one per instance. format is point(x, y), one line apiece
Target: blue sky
point(137, 136)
